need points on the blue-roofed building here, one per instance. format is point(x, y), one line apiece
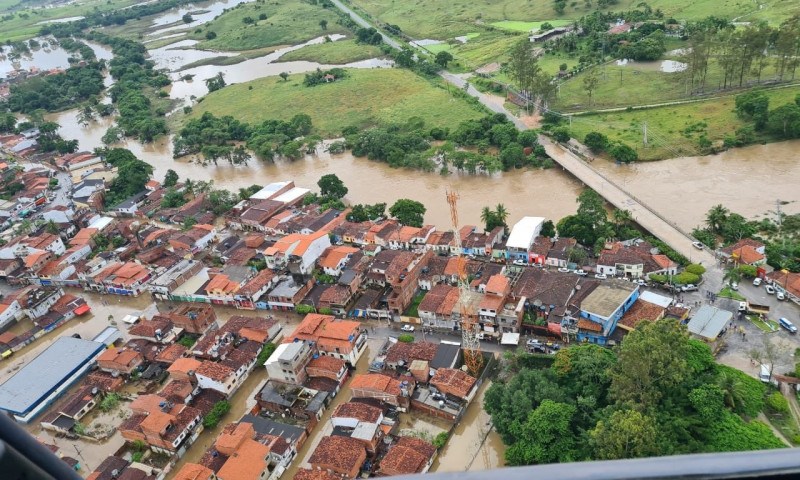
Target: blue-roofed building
point(39, 383)
point(602, 308)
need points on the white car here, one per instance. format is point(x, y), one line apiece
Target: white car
point(520, 262)
point(770, 289)
point(407, 328)
point(698, 245)
point(742, 306)
point(780, 295)
point(582, 273)
point(563, 270)
point(734, 286)
point(757, 282)
point(600, 276)
point(690, 287)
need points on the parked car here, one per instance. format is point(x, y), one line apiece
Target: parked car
point(601, 276)
point(770, 289)
point(480, 336)
point(407, 328)
point(757, 282)
point(533, 341)
point(698, 245)
point(785, 323)
point(582, 273)
point(563, 270)
point(689, 287)
point(780, 295)
point(520, 262)
point(734, 286)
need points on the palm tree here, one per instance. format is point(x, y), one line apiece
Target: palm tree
point(716, 217)
point(189, 186)
point(732, 275)
point(501, 212)
point(486, 216)
point(731, 390)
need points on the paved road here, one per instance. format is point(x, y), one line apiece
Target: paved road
point(360, 20)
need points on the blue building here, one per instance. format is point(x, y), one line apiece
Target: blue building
point(602, 308)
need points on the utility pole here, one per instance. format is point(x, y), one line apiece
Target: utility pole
point(644, 133)
point(81, 455)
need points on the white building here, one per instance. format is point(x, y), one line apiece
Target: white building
point(523, 235)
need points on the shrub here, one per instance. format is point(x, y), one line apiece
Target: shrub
point(265, 353)
point(406, 338)
point(215, 415)
point(440, 440)
point(684, 278)
point(695, 269)
point(658, 278)
point(561, 135)
point(110, 402)
point(777, 402)
point(304, 309)
point(137, 456)
point(596, 141)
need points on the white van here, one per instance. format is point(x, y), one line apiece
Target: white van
point(764, 376)
point(130, 319)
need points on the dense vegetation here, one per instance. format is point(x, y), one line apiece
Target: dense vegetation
point(132, 175)
point(118, 16)
point(134, 77)
point(59, 91)
point(781, 237)
point(591, 226)
point(215, 138)
point(659, 393)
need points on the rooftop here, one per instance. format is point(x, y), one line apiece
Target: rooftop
point(709, 321)
point(607, 297)
point(343, 453)
point(359, 411)
point(524, 232)
point(42, 375)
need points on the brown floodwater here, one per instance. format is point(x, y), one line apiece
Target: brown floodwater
point(746, 180)
point(473, 445)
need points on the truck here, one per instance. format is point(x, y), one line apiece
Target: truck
point(757, 309)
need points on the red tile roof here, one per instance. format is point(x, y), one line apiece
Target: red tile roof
point(453, 381)
point(408, 456)
point(359, 411)
point(342, 453)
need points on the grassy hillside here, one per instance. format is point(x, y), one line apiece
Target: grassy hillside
point(442, 19)
point(288, 22)
point(334, 53)
point(365, 98)
point(674, 130)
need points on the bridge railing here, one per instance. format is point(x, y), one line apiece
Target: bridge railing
point(638, 200)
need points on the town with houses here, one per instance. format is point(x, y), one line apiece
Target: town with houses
point(302, 290)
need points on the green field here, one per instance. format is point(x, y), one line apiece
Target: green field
point(334, 53)
point(442, 19)
point(364, 98)
point(287, 23)
point(518, 26)
point(668, 124)
point(636, 83)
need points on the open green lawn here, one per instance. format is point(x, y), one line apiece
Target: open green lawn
point(518, 26)
point(25, 23)
point(334, 53)
point(767, 326)
point(289, 22)
point(667, 125)
point(365, 98)
point(442, 19)
point(728, 292)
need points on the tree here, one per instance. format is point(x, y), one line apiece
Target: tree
point(626, 434)
point(525, 70)
point(331, 186)
point(623, 153)
point(52, 228)
point(408, 212)
point(216, 82)
point(652, 364)
point(590, 82)
point(716, 217)
point(443, 58)
point(546, 436)
point(596, 141)
point(548, 229)
point(512, 156)
point(501, 212)
point(323, 24)
point(284, 76)
point(561, 135)
point(170, 178)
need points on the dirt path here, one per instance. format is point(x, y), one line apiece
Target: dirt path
point(777, 432)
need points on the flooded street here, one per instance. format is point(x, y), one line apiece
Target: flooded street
point(472, 447)
point(745, 180)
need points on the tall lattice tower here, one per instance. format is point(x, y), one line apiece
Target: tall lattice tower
point(469, 328)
